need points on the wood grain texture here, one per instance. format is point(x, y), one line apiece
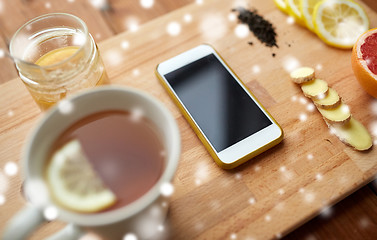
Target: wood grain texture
point(270, 195)
point(353, 218)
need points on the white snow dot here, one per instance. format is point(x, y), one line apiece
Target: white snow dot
point(252, 200)
point(375, 142)
point(238, 176)
point(198, 182)
point(332, 130)
point(71, 1)
point(136, 114)
point(326, 212)
point(290, 63)
point(213, 27)
point(136, 72)
point(130, 236)
point(10, 168)
point(167, 189)
point(132, 23)
point(10, 113)
point(364, 222)
point(319, 176)
point(50, 213)
point(78, 39)
point(48, 5)
point(278, 235)
point(124, 44)
point(294, 98)
point(164, 204)
point(345, 109)
point(187, 18)
point(146, 3)
point(290, 20)
point(199, 2)
point(241, 31)
point(309, 197)
point(233, 236)
point(98, 3)
point(283, 169)
point(311, 237)
point(301, 190)
point(267, 218)
point(160, 228)
point(257, 168)
point(36, 191)
point(113, 57)
point(256, 69)
point(199, 226)
point(321, 96)
point(310, 156)
point(303, 100)
point(98, 36)
point(2, 53)
point(2, 199)
point(319, 67)
point(310, 107)
point(173, 28)
point(65, 106)
point(232, 17)
point(373, 106)
point(288, 175)
point(303, 117)
point(373, 127)
point(281, 191)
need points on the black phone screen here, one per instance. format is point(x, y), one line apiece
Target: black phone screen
point(220, 106)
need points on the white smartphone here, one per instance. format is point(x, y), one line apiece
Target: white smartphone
point(224, 114)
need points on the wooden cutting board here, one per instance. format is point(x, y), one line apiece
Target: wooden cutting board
point(266, 197)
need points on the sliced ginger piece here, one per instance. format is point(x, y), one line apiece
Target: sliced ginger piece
point(353, 133)
point(339, 114)
point(301, 75)
point(331, 100)
point(315, 89)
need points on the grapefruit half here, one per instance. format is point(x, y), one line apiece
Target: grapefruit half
point(364, 61)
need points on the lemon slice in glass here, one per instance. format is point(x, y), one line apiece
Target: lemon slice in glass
point(306, 9)
point(73, 182)
point(339, 23)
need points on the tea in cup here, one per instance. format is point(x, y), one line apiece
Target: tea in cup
point(102, 160)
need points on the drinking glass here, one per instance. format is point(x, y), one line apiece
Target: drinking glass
point(55, 56)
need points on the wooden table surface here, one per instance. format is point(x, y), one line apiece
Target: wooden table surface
point(263, 199)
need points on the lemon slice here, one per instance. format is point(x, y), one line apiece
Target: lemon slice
point(307, 9)
point(281, 5)
point(293, 8)
point(339, 23)
point(73, 182)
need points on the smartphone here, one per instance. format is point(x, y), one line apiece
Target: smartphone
point(226, 116)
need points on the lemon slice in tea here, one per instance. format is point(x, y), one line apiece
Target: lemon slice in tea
point(339, 23)
point(73, 182)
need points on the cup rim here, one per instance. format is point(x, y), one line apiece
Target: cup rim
point(31, 64)
point(129, 210)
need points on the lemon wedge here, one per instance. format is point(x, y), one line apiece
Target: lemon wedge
point(293, 8)
point(307, 9)
point(73, 182)
point(281, 5)
point(339, 23)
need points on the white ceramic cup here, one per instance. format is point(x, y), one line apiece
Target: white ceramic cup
point(139, 217)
